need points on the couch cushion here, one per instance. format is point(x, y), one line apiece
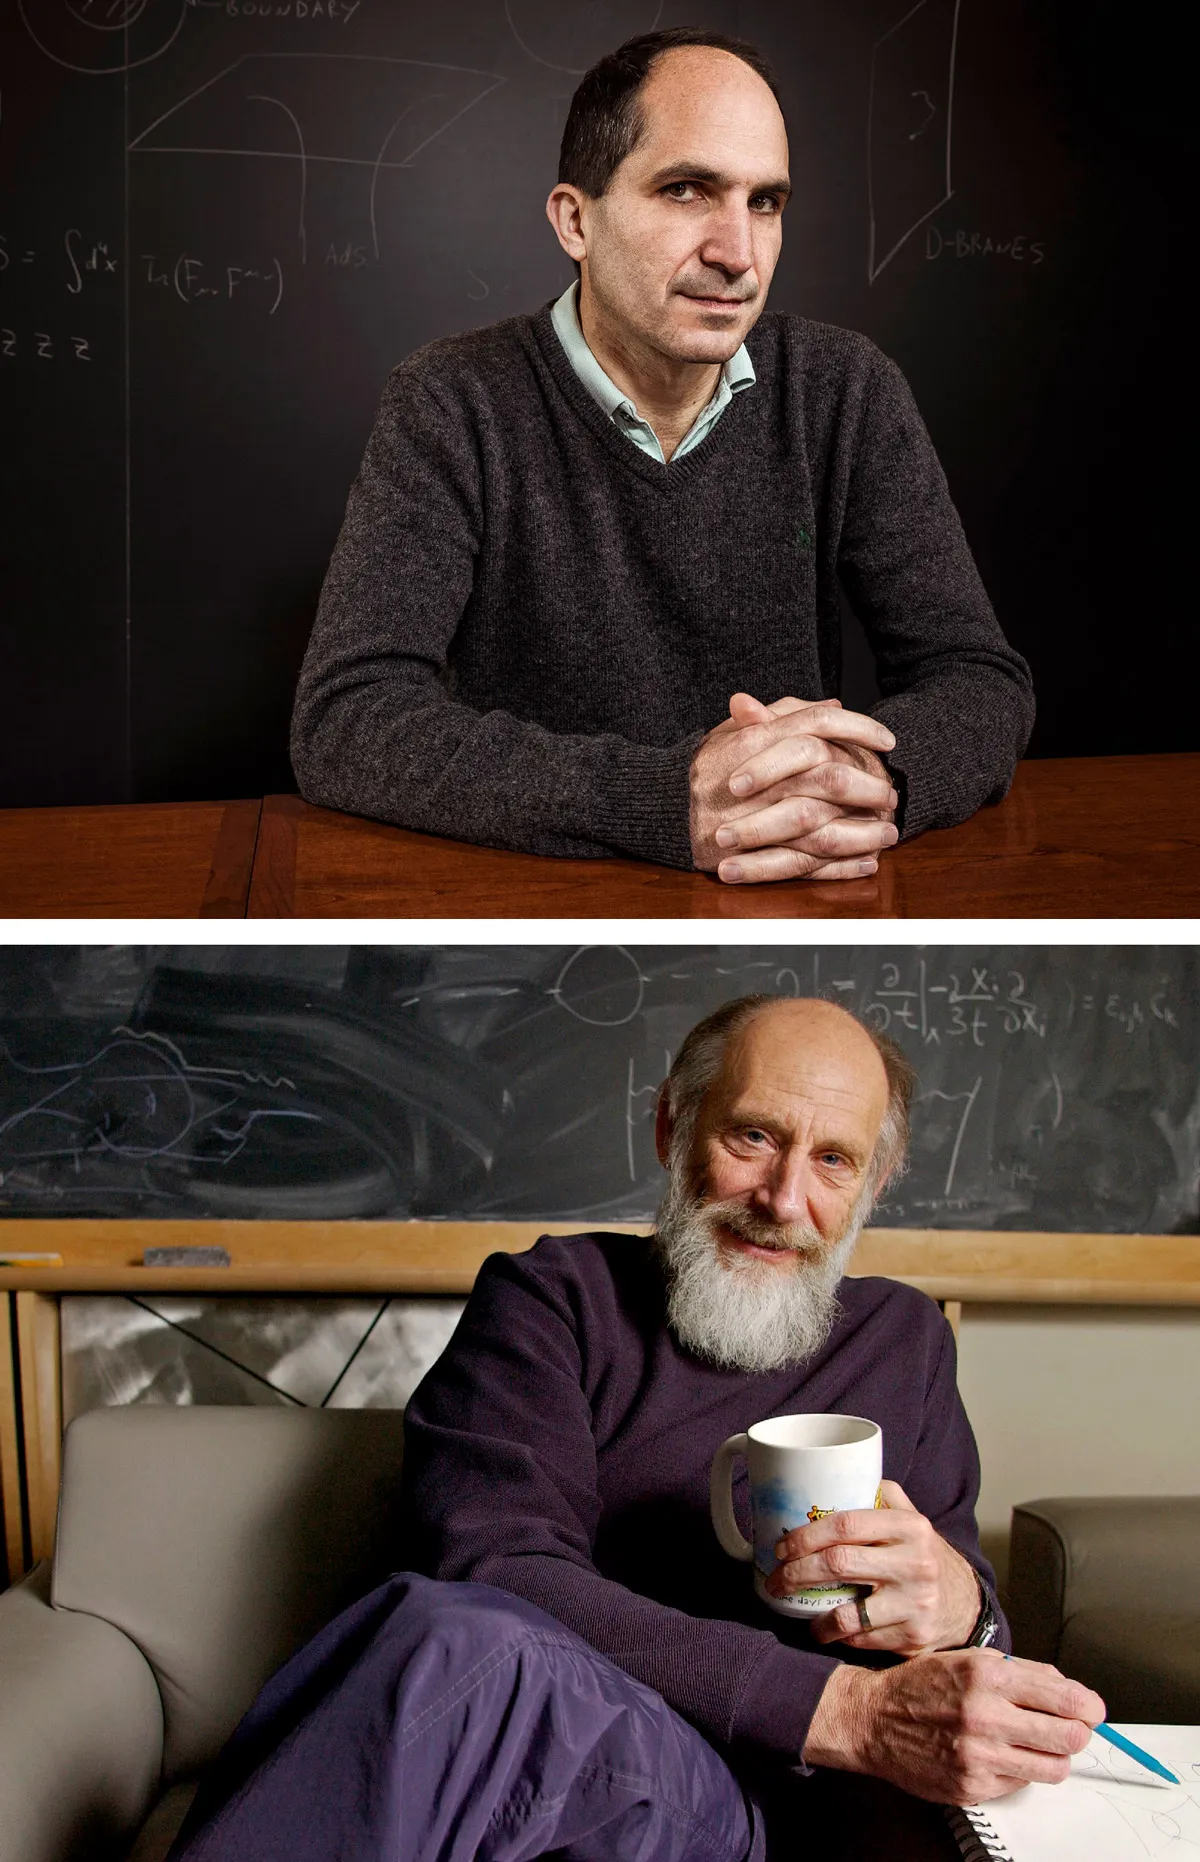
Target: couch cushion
point(220, 1540)
point(80, 1730)
point(1144, 1667)
point(164, 1823)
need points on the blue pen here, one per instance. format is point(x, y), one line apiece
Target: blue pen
point(1126, 1745)
point(1135, 1752)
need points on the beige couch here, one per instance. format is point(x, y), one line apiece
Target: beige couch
point(1109, 1590)
point(197, 1549)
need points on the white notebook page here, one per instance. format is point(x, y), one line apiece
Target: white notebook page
point(1111, 1809)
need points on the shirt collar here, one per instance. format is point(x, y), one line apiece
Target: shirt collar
point(737, 373)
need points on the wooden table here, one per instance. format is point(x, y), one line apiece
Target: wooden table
point(144, 860)
point(1077, 837)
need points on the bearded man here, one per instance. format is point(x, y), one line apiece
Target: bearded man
point(589, 1676)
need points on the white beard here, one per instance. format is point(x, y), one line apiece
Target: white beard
point(738, 1312)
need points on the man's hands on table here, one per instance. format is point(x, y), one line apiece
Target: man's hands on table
point(950, 1724)
point(791, 790)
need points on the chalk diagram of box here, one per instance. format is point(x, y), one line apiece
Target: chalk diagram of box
point(341, 110)
point(910, 123)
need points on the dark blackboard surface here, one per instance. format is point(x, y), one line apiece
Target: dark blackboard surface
point(222, 221)
point(1058, 1087)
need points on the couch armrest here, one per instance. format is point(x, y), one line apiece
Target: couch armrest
point(1070, 1556)
point(81, 1734)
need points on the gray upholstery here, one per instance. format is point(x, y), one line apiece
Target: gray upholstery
point(197, 1549)
point(163, 1824)
point(80, 1731)
point(1109, 1590)
point(219, 1540)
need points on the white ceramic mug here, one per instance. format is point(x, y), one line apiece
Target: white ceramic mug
point(801, 1467)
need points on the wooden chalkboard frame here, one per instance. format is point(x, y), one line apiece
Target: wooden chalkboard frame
point(953, 1266)
point(104, 1256)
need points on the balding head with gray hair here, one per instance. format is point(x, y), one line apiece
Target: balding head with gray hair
point(698, 1063)
point(778, 1139)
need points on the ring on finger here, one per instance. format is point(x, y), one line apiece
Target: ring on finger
point(864, 1621)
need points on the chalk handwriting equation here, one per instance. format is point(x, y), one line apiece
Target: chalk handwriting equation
point(967, 1008)
point(84, 259)
point(972, 1007)
point(606, 987)
point(81, 260)
point(194, 280)
point(1128, 1011)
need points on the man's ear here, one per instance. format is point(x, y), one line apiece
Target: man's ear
point(564, 210)
point(663, 1125)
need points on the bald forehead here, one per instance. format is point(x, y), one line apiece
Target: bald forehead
point(806, 1048)
point(687, 84)
point(702, 64)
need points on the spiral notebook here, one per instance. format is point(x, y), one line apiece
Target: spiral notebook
point(1110, 1809)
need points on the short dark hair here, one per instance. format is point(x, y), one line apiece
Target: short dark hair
point(606, 121)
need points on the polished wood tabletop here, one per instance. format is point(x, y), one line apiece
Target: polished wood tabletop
point(142, 860)
point(1083, 837)
point(1077, 837)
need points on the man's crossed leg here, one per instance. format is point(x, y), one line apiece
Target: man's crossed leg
point(440, 1722)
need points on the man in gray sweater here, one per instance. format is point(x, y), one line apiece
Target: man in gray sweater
point(586, 596)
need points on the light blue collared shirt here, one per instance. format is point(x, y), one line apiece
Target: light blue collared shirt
point(736, 374)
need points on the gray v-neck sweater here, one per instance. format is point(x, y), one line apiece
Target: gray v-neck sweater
point(528, 624)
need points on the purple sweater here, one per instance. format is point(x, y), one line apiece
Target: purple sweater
point(560, 1447)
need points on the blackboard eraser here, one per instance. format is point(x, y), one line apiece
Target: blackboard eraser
point(185, 1257)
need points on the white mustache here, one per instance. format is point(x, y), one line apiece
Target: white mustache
point(748, 1225)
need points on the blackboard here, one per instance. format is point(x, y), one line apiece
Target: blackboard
point(1058, 1087)
point(223, 221)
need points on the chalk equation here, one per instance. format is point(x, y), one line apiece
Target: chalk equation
point(1054, 1089)
point(78, 259)
point(966, 1008)
point(194, 280)
point(83, 259)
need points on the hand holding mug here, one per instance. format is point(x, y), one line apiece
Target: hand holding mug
point(923, 1594)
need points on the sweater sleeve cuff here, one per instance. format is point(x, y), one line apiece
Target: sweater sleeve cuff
point(643, 805)
point(779, 1700)
point(941, 779)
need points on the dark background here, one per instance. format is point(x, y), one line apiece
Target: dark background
point(191, 356)
point(1057, 1091)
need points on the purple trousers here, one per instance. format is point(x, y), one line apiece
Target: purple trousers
point(454, 1723)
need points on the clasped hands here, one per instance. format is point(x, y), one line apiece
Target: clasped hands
point(948, 1723)
point(791, 790)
